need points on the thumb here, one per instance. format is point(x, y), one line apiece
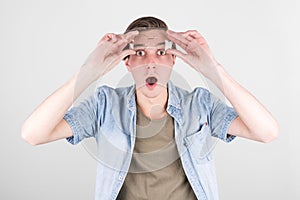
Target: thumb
point(122, 56)
point(176, 53)
point(181, 55)
point(126, 53)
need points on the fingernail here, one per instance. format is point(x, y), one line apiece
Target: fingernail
point(135, 32)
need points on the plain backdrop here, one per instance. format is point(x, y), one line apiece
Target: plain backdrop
point(43, 43)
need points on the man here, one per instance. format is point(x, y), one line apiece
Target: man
point(174, 161)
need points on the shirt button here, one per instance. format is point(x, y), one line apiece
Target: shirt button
point(120, 178)
point(185, 143)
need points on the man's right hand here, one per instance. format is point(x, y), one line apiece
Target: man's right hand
point(46, 123)
point(107, 54)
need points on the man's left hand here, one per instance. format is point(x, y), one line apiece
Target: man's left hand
point(198, 55)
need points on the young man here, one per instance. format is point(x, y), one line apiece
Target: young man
point(153, 137)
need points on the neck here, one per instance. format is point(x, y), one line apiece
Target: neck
point(155, 107)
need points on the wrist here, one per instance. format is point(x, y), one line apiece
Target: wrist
point(215, 73)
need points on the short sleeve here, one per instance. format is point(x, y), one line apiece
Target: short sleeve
point(221, 116)
point(83, 119)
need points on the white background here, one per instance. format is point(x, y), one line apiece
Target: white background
point(42, 43)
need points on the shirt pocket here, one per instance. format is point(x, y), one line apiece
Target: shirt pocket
point(199, 145)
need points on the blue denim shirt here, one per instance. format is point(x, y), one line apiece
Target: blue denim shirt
point(110, 117)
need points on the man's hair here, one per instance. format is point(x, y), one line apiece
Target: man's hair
point(146, 22)
point(143, 23)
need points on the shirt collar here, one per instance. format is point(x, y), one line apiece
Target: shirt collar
point(173, 96)
point(131, 102)
point(173, 104)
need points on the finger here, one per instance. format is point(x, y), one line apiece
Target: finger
point(179, 54)
point(105, 38)
point(110, 36)
point(118, 59)
point(190, 32)
point(176, 53)
point(121, 44)
point(131, 35)
point(128, 37)
point(113, 38)
point(181, 41)
point(196, 35)
point(189, 38)
point(126, 53)
point(194, 39)
point(119, 39)
point(178, 36)
point(124, 39)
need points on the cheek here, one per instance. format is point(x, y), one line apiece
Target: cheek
point(138, 74)
point(167, 59)
point(134, 60)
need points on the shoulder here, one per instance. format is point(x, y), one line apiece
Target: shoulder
point(198, 93)
point(105, 90)
point(199, 99)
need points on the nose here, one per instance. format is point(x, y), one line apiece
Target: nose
point(151, 57)
point(151, 66)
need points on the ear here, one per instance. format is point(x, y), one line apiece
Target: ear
point(174, 58)
point(126, 61)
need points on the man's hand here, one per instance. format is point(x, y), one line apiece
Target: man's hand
point(254, 121)
point(107, 54)
point(198, 54)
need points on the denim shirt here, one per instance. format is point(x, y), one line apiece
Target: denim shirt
point(110, 117)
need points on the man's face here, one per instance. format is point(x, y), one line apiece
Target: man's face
point(151, 67)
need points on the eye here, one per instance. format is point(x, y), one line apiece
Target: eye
point(140, 53)
point(161, 52)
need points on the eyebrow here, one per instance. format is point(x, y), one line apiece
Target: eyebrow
point(143, 45)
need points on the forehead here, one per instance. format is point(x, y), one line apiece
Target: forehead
point(150, 38)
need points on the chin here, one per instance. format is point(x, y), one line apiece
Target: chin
point(152, 93)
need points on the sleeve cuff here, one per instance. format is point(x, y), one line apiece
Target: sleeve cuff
point(231, 115)
point(75, 126)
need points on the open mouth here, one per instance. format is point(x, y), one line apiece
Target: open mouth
point(151, 82)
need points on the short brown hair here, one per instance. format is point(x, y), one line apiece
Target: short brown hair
point(146, 22)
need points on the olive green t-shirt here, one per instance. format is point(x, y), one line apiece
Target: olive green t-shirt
point(155, 171)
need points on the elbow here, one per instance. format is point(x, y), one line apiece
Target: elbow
point(27, 135)
point(272, 135)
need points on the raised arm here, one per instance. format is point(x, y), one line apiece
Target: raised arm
point(46, 123)
point(254, 121)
